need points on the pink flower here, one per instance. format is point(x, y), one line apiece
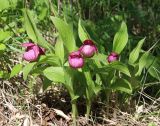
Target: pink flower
point(88, 49)
point(33, 51)
point(76, 60)
point(113, 57)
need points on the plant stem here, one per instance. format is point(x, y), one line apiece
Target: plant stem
point(108, 96)
point(74, 112)
point(88, 105)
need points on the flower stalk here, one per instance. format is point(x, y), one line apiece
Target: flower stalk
point(74, 112)
point(88, 107)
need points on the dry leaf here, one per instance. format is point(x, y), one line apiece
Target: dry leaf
point(60, 113)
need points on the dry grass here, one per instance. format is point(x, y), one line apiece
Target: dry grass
point(17, 109)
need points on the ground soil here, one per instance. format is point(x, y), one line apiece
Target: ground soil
point(19, 107)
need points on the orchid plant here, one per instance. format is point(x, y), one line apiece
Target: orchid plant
point(73, 67)
point(84, 70)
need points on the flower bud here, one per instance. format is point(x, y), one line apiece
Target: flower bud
point(76, 60)
point(113, 57)
point(88, 49)
point(33, 51)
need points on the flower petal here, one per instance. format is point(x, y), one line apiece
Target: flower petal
point(113, 57)
point(76, 62)
point(36, 50)
point(28, 44)
point(41, 51)
point(30, 55)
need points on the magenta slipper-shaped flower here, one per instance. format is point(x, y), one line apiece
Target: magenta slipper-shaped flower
point(88, 49)
point(76, 60)
point(33, 51)
point(113, 57)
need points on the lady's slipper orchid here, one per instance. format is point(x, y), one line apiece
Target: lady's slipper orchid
point(113, 57)
point(88, 49)
point(32, 51)
point(76, 60)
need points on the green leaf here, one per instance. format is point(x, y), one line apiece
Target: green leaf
point(120, 66)
point(90, 85)
point(97, 88)
point(2, 48)
point(27, 69)
point(46, 83)
point(74, 98)
point(30, 25)
point(114, 66)
point(82, 32)
point(1, 74)
point(4, 4)
point(151, 63)
point(4, 35)
point(51, 59)
point(33, 32)
point(75, 82)
point(120, 39)
point(55, 74)
point(122, 85)
point(43, 13)
point(16, 69)
point(65, 32)
point(4, 75)
point(69, 77)
point(142, 63)
point(59, 50)
point(135, 53)
point(53, 8)
point(153, 66)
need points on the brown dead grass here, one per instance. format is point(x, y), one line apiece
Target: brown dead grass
point(18, 107)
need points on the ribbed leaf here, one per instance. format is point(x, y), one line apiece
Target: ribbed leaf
point(114, 66)
point(121, 67)
point(151, 63)
point(120, 39)
point(2, 48)
point(59, 50)
point(16, 69)
point(6, 4)
point(153, 66)
point(142, 62)
point(50, 59)
point(122, 85)
point(81, 32)
point(32, 30)
point(55, 74)
point(4, 35)
point(135, 53)
point(27, 69)
point(65, 32)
